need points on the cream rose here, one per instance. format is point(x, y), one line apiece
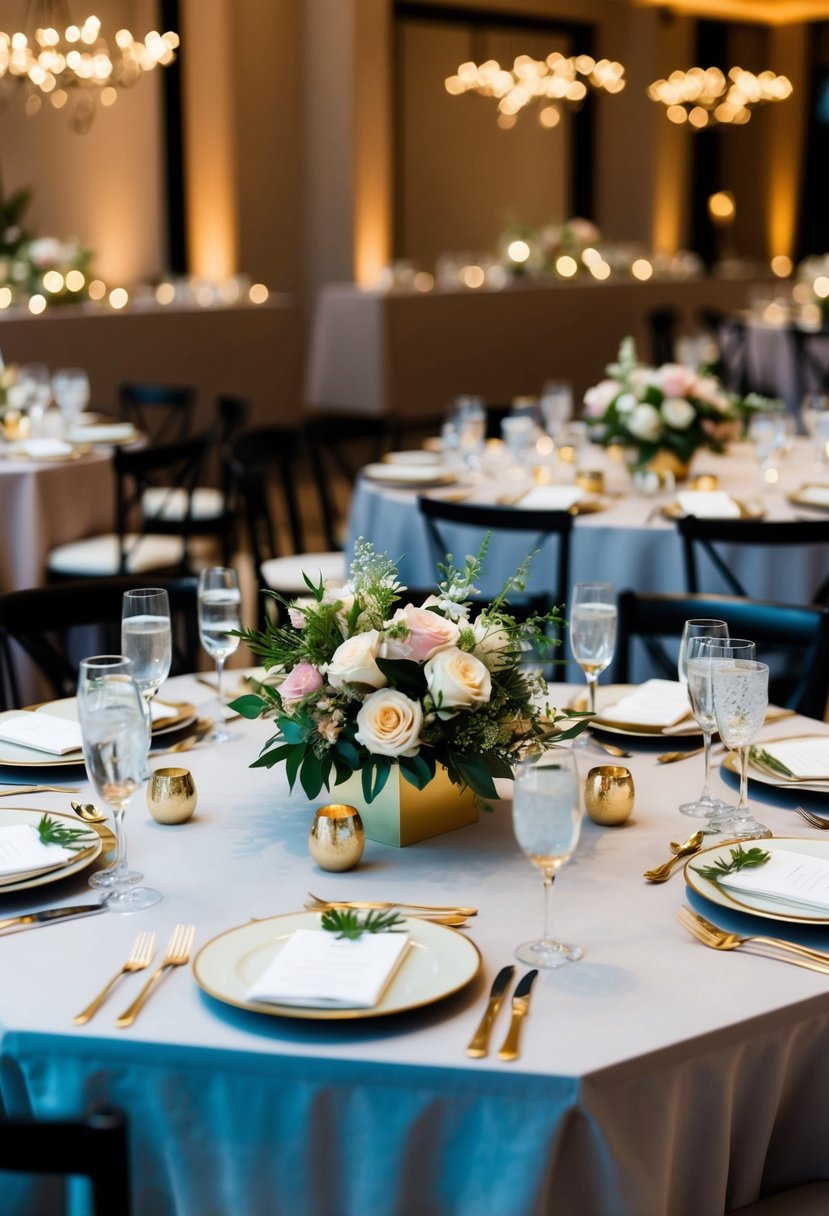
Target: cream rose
point(355, 662)
point(645, 423)
point(599, 397)
point(428, 633)
point(492, 643)
point(678, 413)
point(457, 680)
point(676, 380)
point(389, 723)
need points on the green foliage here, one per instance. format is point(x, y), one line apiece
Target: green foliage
point(51, 831)
point(740, 860)
point(347, 923)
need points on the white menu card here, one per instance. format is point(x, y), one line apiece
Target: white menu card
point(654, 703)
point(43, 732)
point(804, 758)
point(786, 878)
point(21, 850)
point(318, 969)
point(708, 504)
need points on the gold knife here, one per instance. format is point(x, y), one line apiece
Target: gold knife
point(520, 1008)
point(479, 1042)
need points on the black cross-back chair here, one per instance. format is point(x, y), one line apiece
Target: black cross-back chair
point(44, 623)
point(162, 412)
point(811, 353)
point(338, 446)
point(793, 640)
point(480, 518)
point(705, 535)
point(146, 538)
point(95, 1147)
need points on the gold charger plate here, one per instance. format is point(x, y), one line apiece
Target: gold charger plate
point(756, 904)
point(14, 814)
point(440, 962)
point(672, 510)
point(608, 695)
point(732, 763)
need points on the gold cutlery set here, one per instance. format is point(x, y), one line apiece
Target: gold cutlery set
point(453, 915)
point(178, 952)
point(479, 1043)
point(719, 939)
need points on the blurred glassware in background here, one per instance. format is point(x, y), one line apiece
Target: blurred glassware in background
point(772, 433)
point(814, 415)
point(556, 406)
point(32, 392)
point(71, 391)
point(518, 432)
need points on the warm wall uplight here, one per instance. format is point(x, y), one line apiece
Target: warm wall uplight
point(781, 265)
point(258, 293)
point(641, 269)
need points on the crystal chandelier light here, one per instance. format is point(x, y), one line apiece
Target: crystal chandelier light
point(72, 65)
point(704, 97)
point(550, 82)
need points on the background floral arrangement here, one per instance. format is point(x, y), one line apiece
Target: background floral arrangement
point(672, 407)
point(364, 683)
point(24, 259)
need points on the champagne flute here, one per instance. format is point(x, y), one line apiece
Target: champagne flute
point(146, 639)
point(220, 611)
point(740, 689)
point(698, 686)
point(593, 631)
point(113, 730)
point(546, 820)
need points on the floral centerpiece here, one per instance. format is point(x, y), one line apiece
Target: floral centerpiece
point(670, 409)
point(365, 680)
point(27, 261)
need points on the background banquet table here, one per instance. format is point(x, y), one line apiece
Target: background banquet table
point(628, 543)
point(655, 1076)
point(769, 361)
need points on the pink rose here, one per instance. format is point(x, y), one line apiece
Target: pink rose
point(676, 380)
point(300, 683)
point(599, 397)
point(428, 633)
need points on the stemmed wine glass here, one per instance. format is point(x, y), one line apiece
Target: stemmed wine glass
point(146, 639)
point(111, 717)
point(71, 390)
point(593, 631)
point(740, 690)
point(220, 611)
point(546, 820)
point(693, 674)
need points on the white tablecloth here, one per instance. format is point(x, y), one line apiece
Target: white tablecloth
point(655, 1076)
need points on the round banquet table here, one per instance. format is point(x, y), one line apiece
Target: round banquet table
point(655, 1076)
point(628, 543)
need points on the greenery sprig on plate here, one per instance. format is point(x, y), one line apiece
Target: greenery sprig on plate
point(52, 832)
point(740, 860)
point(349, 924)
point(762, 758)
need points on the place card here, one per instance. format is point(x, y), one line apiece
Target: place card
point(708, 504)
point(551, 498)
point(806, 759)
point(22, 850)
point(44, 448)
point(654, 703)
point(786, 878)
point(319, 970)
point(42, 732)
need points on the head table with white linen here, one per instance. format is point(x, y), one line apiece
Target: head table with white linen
point(655, 1075)
point(630, 541)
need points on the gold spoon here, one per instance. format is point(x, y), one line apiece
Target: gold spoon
point(670, 757)
point(691, 845)
point(610, 748)
point(87, 811)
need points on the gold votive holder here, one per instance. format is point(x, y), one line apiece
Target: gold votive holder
point(337, 839)
point(608, 794)
point(171, 795)
point(15, 425)
point(705, 481)
point(590, 480)
point(567, 453)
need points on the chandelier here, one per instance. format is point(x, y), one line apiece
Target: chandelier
point(704, 97)
point(65, 64)
point(550, 82)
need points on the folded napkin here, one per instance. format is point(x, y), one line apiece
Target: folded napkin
point(44, 449)
point(160, 711)
point(43, 732)
point(708, 504)
point(654, 703)
point(806, 759)
point(319, 970)
point(114, 432)
point(551, 498)
point(21, 850)
point(786, 878)
point(819, 495)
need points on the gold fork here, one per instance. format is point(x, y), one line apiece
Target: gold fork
point(365, 904)
point(719, 939)
point(814, 820)
point(178, 953)
point(140, 957)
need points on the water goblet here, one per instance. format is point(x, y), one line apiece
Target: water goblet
point(70, 388)
point(113, 731)
point(694, 633)
point(814, 414)
point(546, 820)
point(556, 404)
point(740, 689)
point(220, 612)
point(592, 631)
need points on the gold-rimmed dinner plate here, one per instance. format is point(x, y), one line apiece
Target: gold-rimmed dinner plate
point(416, 456)
point(15, 755)
point(182, 713)
point(732, 763)
point(409, 476)
point(10, 815)
point(813, 495)
point(43, 452)
point(440, 961)
point(748, 510)
point(608, 695)
point(757, 905)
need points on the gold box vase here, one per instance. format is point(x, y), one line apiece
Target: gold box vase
point(401, 814)
point(667, 462)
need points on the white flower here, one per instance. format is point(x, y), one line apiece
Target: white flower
point(645, 423)
point(626, 403)
point(678, 413)
point(354, 662)
point(641, 378)
point(600, 396)
point(457, 680)
point(389, 723)
point(493, 645)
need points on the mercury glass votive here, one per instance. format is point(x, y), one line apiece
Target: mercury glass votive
point(171, 795)
point(608, 794)
point(337, 838)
